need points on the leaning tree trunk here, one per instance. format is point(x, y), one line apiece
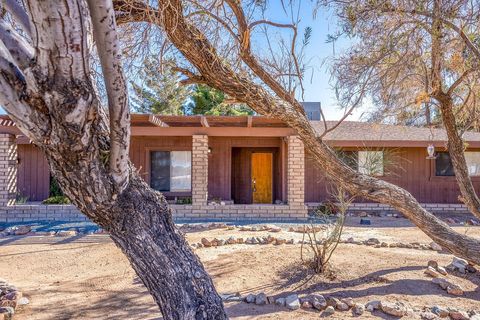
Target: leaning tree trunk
point(194, 45)
point(48, 91)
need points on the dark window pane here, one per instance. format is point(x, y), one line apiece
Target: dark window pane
point(160, 170)
point(443, 165)
point(350, 158)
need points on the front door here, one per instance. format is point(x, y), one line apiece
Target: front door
point(262, 167)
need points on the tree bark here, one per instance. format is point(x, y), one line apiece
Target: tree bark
point(53, 101)
point(196, 48)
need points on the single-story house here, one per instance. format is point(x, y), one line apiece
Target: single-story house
point(240, 167)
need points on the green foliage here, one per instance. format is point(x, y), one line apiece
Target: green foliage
point(159, 91)
point(209, 101)
point(20, 198)
point(186, 200)
point(55, 189)
point(56, 200)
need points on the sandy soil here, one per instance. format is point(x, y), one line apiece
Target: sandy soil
point(87, 277)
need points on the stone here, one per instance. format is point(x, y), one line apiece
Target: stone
point(372, 242)
point(430, 271)
point(292, 302)
point(373, 305)
point(291, 241)
point(270, 300)
point(250, 298)
point(231, 297)
point(433, 264)
point(440, 311)
point(231, 240)
point(13, 295)
point(328, 311)
point(342, 306)
point(332, 301)
point(8, 303)
point(443, 283)
point(397, 309)
point(22, 230)
point(435, 246)
point(428, 315)
point(442, 270)
point(459, 263)
point(275, 229)
point(358, 309)
point(206, 243)
point(7, 312)
point(280, 302)
point(348, 301)
point(470, 268)
point(307, 305)
point(66, 233)
point(280, 241)
point(240, 240)
point(261, 299)
point(454, 289)
point(318, 301)
point(458, 315)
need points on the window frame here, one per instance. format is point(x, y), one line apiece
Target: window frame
point(433, 170)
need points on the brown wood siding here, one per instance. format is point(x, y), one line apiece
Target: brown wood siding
point(33, 173)
point(410, 170)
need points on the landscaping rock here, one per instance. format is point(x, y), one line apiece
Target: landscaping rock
point(66, 233)
point(231, 297)
point(22, 230)
point(306, 305)
point(348, 301)
point(428, 315)
point(454, 289)
point(292, 302)
point(396, 309)
point(442, 270)
point(7, 312)
point(435, 246)
point(342, 306)
point(433, 264)
point(280, 302)
point(318, 301)
point(275, 229)
point(250, 298)
point(430, 271)
point(261, 299)
point(328, 311)
point(372, 242)
point(332, 301)
point(440, 311)
point(358, 309)
point(231, 240)
point(458, 315)
point(206, 243)
point(459, 264)
point(373, 305)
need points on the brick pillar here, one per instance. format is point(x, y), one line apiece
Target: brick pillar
point(199, 170)
point(8, 169)
point(295, 171)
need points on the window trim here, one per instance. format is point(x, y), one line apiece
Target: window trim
point(433, 171)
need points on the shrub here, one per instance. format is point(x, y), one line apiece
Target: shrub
point(56, 200)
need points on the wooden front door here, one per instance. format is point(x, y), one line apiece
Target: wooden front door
point(262, 167)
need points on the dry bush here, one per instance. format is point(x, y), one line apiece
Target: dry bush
point(323, 239)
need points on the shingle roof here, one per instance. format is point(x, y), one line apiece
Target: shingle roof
point(355, 131)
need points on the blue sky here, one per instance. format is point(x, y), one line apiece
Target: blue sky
point(317, 85)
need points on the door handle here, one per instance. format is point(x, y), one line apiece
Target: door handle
point(254, 185)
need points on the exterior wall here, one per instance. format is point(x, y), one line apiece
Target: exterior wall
point(33, 179)
point(410, 170)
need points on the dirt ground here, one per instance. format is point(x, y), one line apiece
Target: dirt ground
point(87, 277)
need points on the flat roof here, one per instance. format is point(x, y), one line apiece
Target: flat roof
point(347, 134)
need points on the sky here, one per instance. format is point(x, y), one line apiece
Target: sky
point(317, 81)
point(318, 85)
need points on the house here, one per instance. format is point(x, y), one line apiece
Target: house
point(241, 167)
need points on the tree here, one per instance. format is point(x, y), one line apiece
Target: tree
point(159, 91)
point(48, 91)
point(209, 101)
point(411, 55)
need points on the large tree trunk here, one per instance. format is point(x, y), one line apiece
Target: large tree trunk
point(197, 49)
point(53, 101)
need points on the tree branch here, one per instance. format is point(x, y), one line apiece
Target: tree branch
point(21, 51)
point(104, 31)
point(19, 13)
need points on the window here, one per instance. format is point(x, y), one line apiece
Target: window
point(350, 158)
point(171, 170)
point(370, 162)
point(444, 167)
point(473, 163)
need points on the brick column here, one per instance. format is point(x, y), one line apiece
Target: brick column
point(8, 169)
point(295, 171)
point(199, 170)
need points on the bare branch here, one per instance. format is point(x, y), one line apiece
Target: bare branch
point(104, 30)
point(19, 13)
point(21, 51)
